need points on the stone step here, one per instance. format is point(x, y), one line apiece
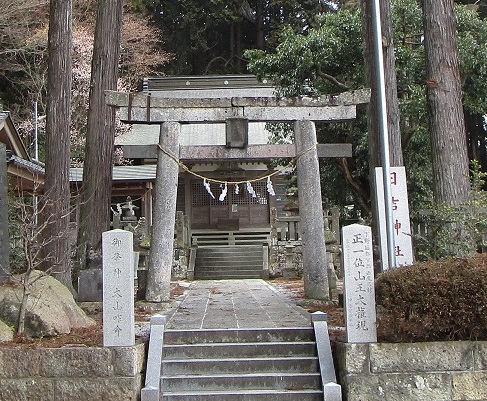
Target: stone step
point(225, 252)
point(238, 366)
point(227, 274)
point(230, 274)
point(239, 350)
point(229, 262)
point(222, 250)
point(246, 395)
point(242, 259)
point(197, 336)
point(215, 250)
point(234, 259)
point(252, 381)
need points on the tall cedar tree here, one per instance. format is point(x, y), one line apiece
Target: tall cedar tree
point(444, 99)
point(97, 168)
point(396, 157)
point(56, 189)
point(392, 102)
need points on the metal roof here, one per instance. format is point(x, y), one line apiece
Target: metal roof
point(211, 86)
point(198, 87)
point(191, 134)
point(201, 82)
point(145, 172)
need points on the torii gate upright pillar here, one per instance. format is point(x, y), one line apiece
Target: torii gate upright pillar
point(164, 214)
point(315, 263)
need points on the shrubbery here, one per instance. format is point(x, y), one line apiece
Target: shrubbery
point(437, 300)
point(444, 230)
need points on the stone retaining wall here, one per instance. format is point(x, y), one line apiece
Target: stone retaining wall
point(71, 373)
point(413, 372)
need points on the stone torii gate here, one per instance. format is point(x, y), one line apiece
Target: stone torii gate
point(169, 113)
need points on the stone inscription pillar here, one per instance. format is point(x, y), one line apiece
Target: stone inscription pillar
point(4, 238)
point(164, 214)
point(118, 288)
point(315, 263)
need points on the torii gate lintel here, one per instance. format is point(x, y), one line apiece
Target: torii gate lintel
point(144, 108)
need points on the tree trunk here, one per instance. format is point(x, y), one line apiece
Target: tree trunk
point(395, 151)
point(97, 168)
point(395, 145)
point(446, 121)
point(4, 237)
point(239, 48)
point(259, 21)
point(476, 138)
point(56, 189)
point(23, 303)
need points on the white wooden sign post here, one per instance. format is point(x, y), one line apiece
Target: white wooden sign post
point(403, 248)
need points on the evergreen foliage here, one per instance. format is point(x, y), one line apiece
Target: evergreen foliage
point(209, 37)
point(329, 58)
point(444, 230)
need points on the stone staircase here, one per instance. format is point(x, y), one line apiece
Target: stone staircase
point(229, 262)
point(240, 365)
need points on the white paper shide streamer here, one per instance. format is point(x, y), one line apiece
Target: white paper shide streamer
point(250, 190)
point(270, 188)
point(223, 195)
point(206, 184)
point(119, 209)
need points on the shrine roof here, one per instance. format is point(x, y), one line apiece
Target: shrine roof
point(214, 86)
point(145, 172)
point(10, 136)
point(191, 134)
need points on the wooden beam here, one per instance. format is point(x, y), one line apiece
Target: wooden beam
point(252, 152)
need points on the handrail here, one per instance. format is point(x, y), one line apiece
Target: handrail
point(192, 262)
point(151, 391)
point(240, 237)
point(332, 391)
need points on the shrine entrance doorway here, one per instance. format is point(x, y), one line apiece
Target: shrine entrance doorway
point(240, 209)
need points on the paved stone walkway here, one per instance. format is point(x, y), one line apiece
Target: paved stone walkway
point(229, 304)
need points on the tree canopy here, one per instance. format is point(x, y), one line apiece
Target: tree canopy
point(329, 58)
point(210, 37)
point(307, 47)
point(23, 48)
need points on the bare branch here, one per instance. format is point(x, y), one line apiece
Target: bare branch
point(331, 78)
